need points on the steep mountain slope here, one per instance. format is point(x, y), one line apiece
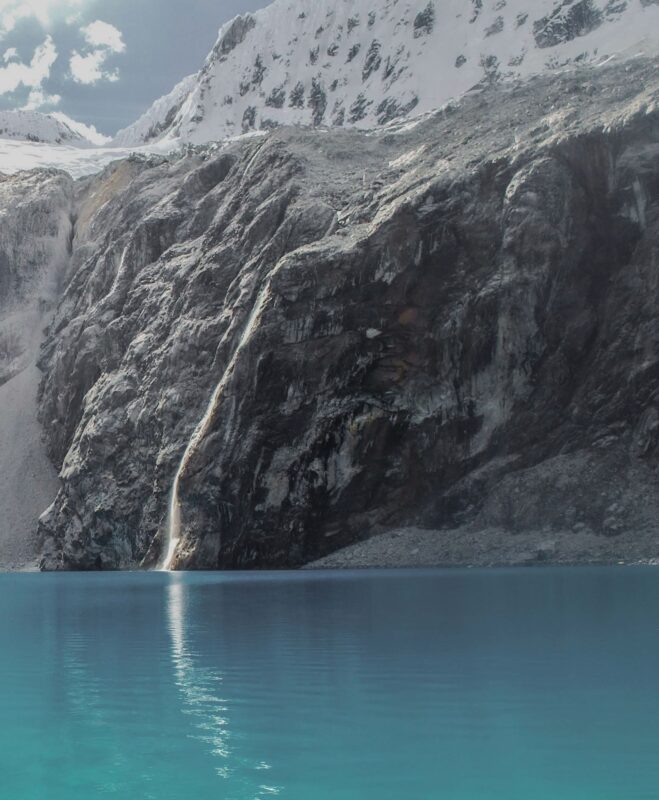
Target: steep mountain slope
point(367, 62)
point(33, 126)
point(35, 227)
point(316, 335)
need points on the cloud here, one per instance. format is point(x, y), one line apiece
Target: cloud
point(89, 69)
point(101, 34)
point(44, 11)
point(32, 75)
point(104, 40)
point(38, 99)
point(88, 64)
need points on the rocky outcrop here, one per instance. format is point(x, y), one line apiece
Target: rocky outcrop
point(451, 325)
point(568, 21)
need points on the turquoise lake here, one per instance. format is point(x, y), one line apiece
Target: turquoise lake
point(464, 684)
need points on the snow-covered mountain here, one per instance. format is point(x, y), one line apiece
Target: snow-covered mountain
point(367, 62)
point(33, 126)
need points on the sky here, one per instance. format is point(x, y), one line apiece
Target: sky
point(103, 62)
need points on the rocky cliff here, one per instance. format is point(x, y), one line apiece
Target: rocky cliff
point(315, 336)
point(35, 234)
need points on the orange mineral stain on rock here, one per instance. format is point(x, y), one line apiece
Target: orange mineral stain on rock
point(408, 316)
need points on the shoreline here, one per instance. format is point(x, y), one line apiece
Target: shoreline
point(493, 547)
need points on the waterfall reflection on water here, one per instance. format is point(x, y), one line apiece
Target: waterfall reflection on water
point(200, 688)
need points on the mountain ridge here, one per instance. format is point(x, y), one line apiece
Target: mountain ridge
point(40, 128)
point(364, 64)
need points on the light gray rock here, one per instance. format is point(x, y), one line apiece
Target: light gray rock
point(35, 229)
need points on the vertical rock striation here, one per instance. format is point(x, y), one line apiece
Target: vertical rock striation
point(451, 324)
point(35, 234)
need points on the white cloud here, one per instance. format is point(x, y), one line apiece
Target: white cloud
point(88, 69)
point(38, 99)
point(104, 40)
point(87, 65)
point(101, 34)
point(45, 11)
point(32, 75)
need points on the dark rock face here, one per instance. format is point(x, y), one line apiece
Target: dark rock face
point(568, 21)
point(234, 36)
point(451, 326)
point(424, 21)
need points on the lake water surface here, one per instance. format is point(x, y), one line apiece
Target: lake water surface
point(465, 685)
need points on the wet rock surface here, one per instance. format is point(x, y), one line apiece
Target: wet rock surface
point(450, 325)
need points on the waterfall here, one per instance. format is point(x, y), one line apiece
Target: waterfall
point(174, 513)
point(119, 273)
point(173, 523)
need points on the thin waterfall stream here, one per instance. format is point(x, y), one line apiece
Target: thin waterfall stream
point(174, 512)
